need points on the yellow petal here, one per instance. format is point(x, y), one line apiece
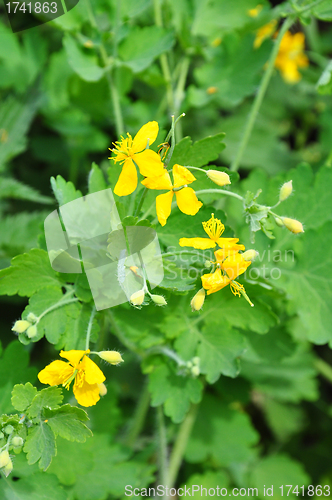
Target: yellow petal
point(92, 372)
point(161, 182)
point(55, 373)
point(199, 243)
point(164, 206)
point(235, 265)
point(182, 176)
point(187, 201)
point(148, 132)
point(87, 394)
point(127, 181)
point(214, 282)
point(149, 163)
point(74, 356)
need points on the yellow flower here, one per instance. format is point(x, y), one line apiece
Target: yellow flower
point(291, 57)
point(233, 265)
point(131, 152)
point(185, 196)
point(214, 282)
point(264, 32)
point(81, 369)
point(214, 229)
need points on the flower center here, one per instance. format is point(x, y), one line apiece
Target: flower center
point(67, 383)
point(123, 148)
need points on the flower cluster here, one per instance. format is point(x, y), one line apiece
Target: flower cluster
point(229, 262)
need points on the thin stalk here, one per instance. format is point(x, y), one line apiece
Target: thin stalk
point(141, 201)
point(162, 447)
point(179, 93)
point(163, 59)
point(114, 92)
point(137, 423)
point(311, 6)
point(324, 368)
point(260, 95)
point(220, 191)
point(61, 303)
point(180, 445)
point(88, 333)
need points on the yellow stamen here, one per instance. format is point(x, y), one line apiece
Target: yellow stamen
point(67, 383)
point(213, 228)
point(236, 288)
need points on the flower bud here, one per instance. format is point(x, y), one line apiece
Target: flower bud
point(279, 221)
point(293, 225)
point(112, 357)
point(31, 331)
point(195, 371)
point(195, 360)
point(137, 298)
point(250, 255)
point(17, 441)
point(8, 468)
point(198, 300)
point(159, 300)
point(8, 429)
point(207, 264)
point(102, 389)
point(20, 326)
point(4, 458)
point(219, 178)
point(32, 318)
point(211, 90)
point(285, 191)
point(189, 364)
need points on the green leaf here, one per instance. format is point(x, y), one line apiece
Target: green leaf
point(198, 154)
point(290, 379)
point(220, 433)
point(74, 336)
point(40, 445)
point(324, 84)
point(67, 422)
point(19, 233)
point(176, 279)
point(217, 346)
point(309, 284)
point(64, 191)
point(96, 179)
point(143, 45)
point(22, 396)
point(27, 274)
point(209, 479)
point(12, 188)
point(174, 391)
point(51, 397)
point(323, 11)
point(275, 471)
point(83, 63)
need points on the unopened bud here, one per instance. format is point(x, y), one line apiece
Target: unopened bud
point(31, 331)
point(211, 90)
point(88, 44)
point(20, 326)
point(32, 318)
point(279, 221)
point(250, 255)
point(285, 190)
point(207, 264)
point(8, 468)
point(4, 458)
point(219, 178)
point(8, 429)
point(159, 300)
point(195, 371)
point(17, 441)
point(137, 298)
point(102, 389)
point(198, 300)
point(293, 225)
point(189, 364)
point(112, 357)
point(195, 360)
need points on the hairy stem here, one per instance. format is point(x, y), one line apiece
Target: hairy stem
point(220, 191)
point(138, 420)
point(88, 333)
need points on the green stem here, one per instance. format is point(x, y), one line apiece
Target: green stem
point(141, 201)
point(324, 368)
point(163, 59)
point(61, 303)
point(328, 162)
point(260, 95)
point(311, 6)
point(162, 447)
point(220, 191)
point(179, 93)
point(180, 445)
point(138, 420)
point(114, 93)
point(88, 333)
